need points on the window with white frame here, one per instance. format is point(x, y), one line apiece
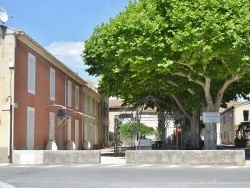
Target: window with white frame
point(77, 97)
point(31, 73)
point(52, 84)
point(69, 93)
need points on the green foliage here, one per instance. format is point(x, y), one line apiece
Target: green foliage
point(240, 142)
point(170, 47)
point(194, 52)
point(242, 135)
point(248, 144)
point(128, 130)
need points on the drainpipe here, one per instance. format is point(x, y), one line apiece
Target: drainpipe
point(11, 67)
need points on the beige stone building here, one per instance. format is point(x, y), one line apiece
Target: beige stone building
point(148, 116)
point(236, 113)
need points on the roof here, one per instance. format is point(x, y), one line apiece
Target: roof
point(117, 103)
point(114, 103)
point(31, 43)
point(232, 105)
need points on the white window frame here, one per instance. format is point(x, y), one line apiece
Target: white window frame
point(52, 84)
point(31, 73)
point(77, 97)
point(69, 93)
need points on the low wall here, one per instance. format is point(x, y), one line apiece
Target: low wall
point(186, 157)
point(56, 157)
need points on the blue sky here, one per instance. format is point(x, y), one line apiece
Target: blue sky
point(61, 26)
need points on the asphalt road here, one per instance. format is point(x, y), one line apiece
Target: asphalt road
point(122, 176)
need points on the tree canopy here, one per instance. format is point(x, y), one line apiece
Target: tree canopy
point(196, 52)
point(128, 130)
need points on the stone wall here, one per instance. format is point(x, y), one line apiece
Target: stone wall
point(58, 157)
point(186, 157)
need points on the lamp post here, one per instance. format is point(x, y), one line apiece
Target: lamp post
point(11, 67)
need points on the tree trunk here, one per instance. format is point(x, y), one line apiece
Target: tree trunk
point(195, 130)
point(210, 137)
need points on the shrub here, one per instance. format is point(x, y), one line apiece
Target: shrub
point(248, 144)
point(240, 142)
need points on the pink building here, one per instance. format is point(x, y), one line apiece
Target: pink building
point(48, 100)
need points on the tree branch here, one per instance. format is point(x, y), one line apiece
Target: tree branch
point(189, 78)
point(177, 85)
point(208, 95)
point(190, 67)
point(178, 102)
point(222, 90)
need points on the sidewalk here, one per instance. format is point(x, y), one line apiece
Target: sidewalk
point(109, 157)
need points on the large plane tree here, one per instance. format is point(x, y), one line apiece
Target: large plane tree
point(192, 51)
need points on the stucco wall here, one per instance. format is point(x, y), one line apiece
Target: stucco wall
point(7, 51)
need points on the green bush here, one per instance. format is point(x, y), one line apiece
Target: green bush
point(248, 144)
point(240, 142)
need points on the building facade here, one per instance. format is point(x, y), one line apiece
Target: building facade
point(148, 117)
point(42, 100)
point(231, 117)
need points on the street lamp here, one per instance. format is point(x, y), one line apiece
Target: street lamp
point(11, 67)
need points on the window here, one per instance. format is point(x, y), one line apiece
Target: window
point(85, 131)
point(31, 73)
point(94, 106)
point(246, 115)
point(85, 103)
point(52, 84)
point(101, 108)
point(91, 105)
point(77, 97)
point(77, 133)
point(69, 130)
point(69, 93)
point(224, 119)
point(30, 128)
point(95, 134)
point(51, 126)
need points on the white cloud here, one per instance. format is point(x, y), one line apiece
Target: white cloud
point(69, 53)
